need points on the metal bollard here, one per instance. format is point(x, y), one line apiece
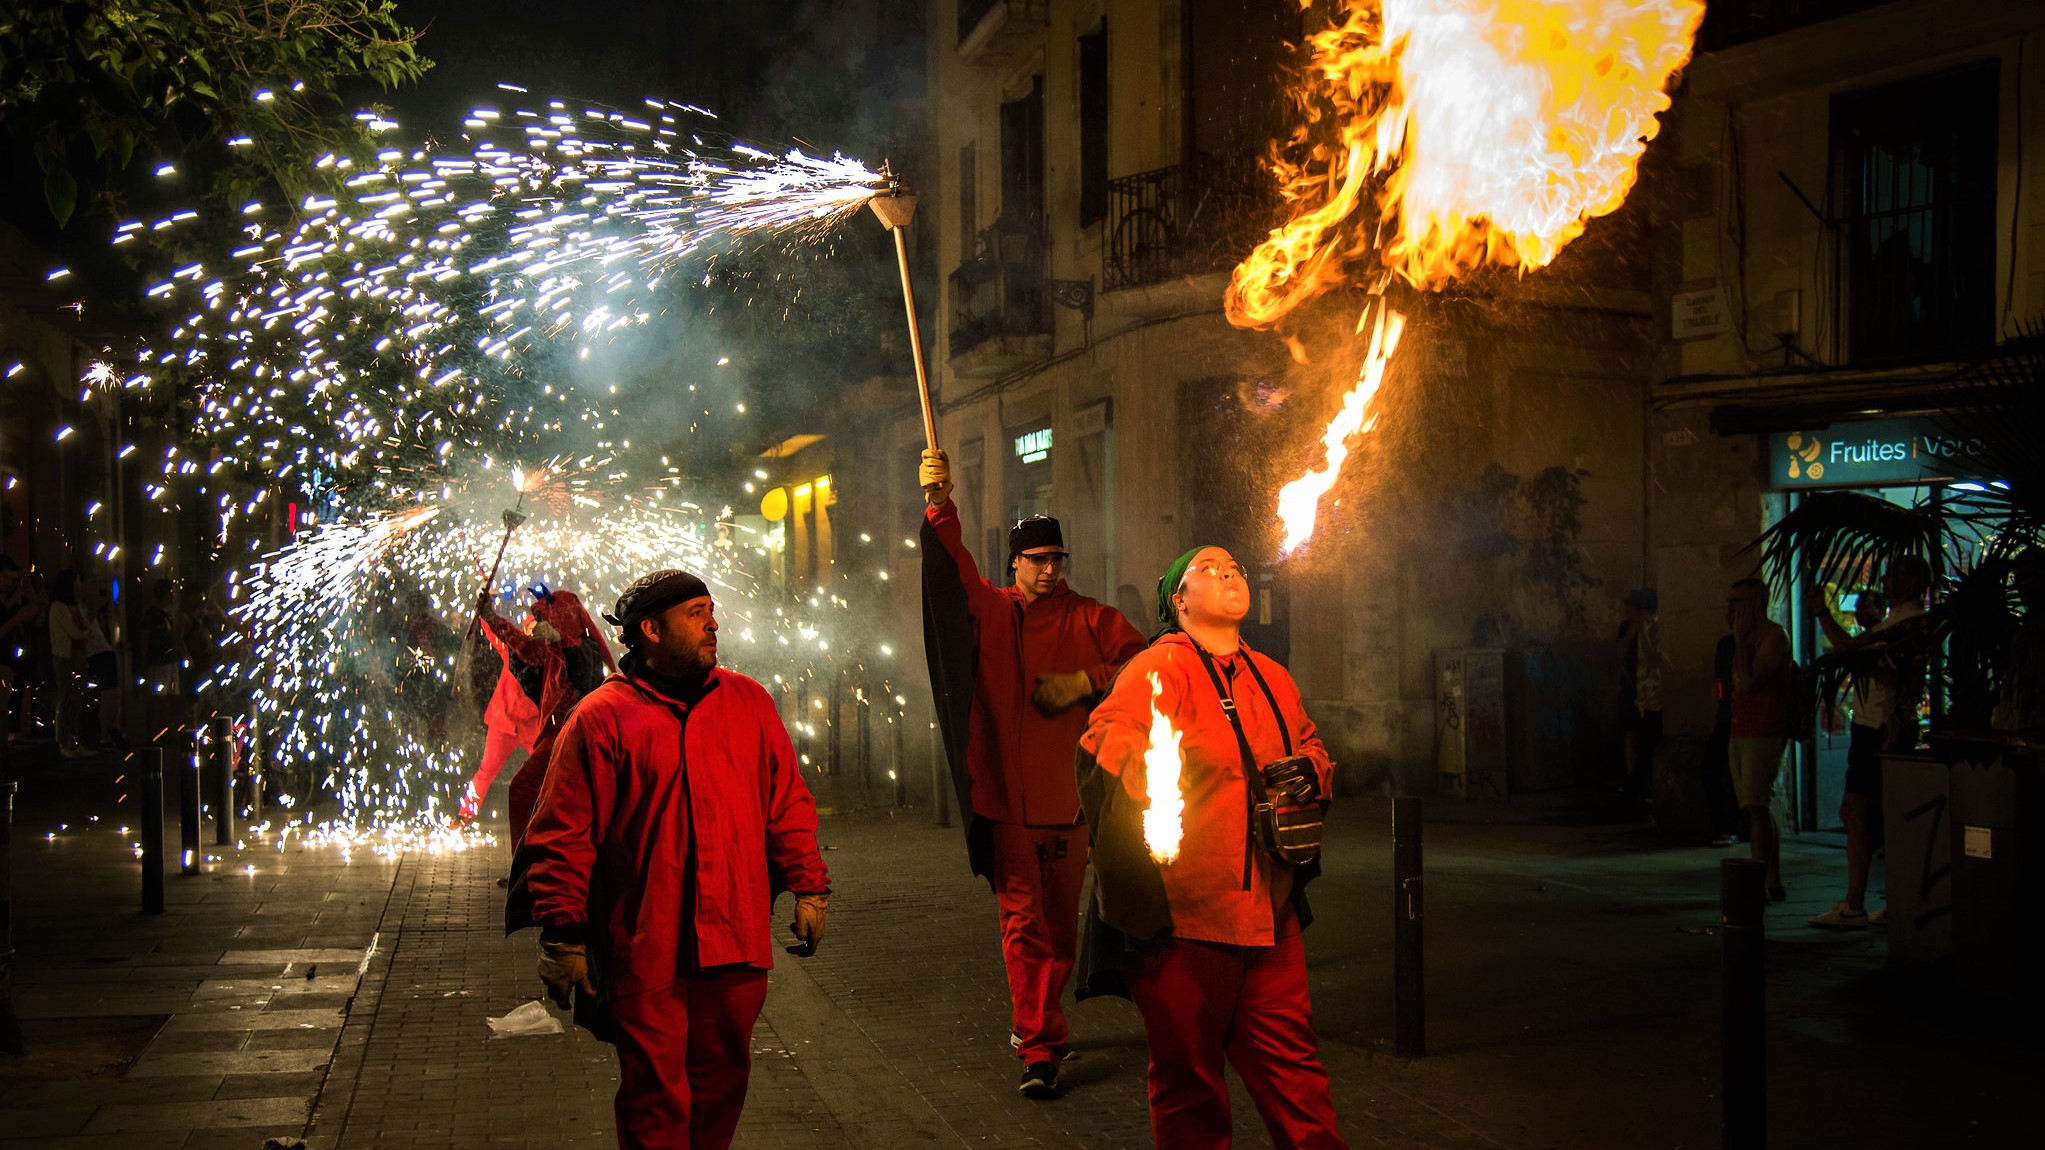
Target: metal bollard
point(862, 702)
point(1408, 970)
point(220, 745)
point(256, 780)
point(895, 721)
point(189, 786)
point(940, 776)
point(150, 759)
point(10, 1023)
point(1743, 1066)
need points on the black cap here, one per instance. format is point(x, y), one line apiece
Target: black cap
point(1036, 531)
point(649, 595)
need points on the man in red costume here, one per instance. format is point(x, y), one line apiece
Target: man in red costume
point(1042, 650)
point(672, 815)
point(1215, 965)
point(562, 654)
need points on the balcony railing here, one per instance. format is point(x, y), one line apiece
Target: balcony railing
point(1000, 290)
point(1730, 22)
point(1164, 224)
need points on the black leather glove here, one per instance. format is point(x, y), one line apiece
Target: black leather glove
point(1292, 780)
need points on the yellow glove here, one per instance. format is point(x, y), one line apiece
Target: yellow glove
point(808, 926)
point(934, 475)
point(563, 967)
point(1057, 692)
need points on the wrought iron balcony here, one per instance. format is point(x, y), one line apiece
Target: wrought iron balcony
point(999, 311)
point(1162, 224)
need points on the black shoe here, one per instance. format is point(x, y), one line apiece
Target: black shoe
point(1777, 894)
point(1039, 1080)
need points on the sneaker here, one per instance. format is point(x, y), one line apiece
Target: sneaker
point(1840, 917)
point(1039, 1080)
point(1879, 918)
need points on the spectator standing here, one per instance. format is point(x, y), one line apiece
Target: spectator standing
point(162, 663)
point(1043, 654)
point(1884, 720)
point(19, 607)
point(83, 664)
point(1761, 721)
point(1640, 690)
point(1719, 803)
point(672, 815)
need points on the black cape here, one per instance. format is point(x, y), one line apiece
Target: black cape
point(953, 657)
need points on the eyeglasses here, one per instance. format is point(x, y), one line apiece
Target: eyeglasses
point(1046, 559)
point(1215, 569)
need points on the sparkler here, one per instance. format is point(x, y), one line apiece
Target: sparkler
point(1162, 764)
point(1486, 132)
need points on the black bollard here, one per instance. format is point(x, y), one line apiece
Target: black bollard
point(189, 786)
point(10, 1023)
point(220, 745)
point(940, 777)
point(1743, 1066)
point(255, 772)
point(150, 760)
point(1408, 971)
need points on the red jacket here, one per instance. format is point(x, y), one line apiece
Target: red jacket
point(1021, 758)
point(671, 840)
point(564, 612)
point(1205, 887)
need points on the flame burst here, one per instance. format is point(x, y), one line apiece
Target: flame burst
point(1162, 822)
point(1486, 132)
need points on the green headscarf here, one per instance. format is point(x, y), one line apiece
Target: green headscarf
point(1168, 585)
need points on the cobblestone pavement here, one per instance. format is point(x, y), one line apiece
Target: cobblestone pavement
point(1572, 1001)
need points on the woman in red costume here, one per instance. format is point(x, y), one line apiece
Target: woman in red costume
point(548, 667)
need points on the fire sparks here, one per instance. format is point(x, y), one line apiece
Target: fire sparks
point(1485, 132)
point(1163, 820)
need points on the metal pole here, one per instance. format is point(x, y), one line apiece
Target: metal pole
point(151, 761)
point(1743, 1066)
point(10, 1025)
point(896, 720)
point(1408, 969)
point(256, 780)
point(220, 745)
point(188, 809)
point(940, 778)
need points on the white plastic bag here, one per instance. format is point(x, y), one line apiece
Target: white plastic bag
point(531, 1019)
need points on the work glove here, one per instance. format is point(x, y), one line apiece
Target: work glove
point(934, 475)
point(1055, 692)
point(563, 967)
point(808, 926)
point(1292, 779)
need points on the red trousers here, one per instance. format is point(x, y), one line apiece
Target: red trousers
point(684, 1057)
point(1038, 872)
point(498, 747)
point(1207, 1003)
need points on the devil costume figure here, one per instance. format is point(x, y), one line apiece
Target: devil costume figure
point(1208, 944)
point(548, 667)
point(1028, 657)
point(671, 817)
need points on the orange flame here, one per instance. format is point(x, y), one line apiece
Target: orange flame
point(1484, 132)
point(1298, 500)
point(1162, 827)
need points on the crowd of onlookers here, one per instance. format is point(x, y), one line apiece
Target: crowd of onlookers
point(72, 663)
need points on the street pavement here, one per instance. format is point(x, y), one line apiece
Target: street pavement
point(1572, 999)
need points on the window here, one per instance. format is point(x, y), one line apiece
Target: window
point(1914, 164)
point(1093, 126)
point(969, 195)
point(1022, 159)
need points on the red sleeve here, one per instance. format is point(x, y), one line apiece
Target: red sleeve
point(982, 597)
point(569, 820)
point(506, 635)
point(1117, 641)
point(1118, 731)
point(791, 811)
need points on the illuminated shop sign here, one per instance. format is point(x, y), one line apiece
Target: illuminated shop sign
point(1034, 446)
point(1872, 452)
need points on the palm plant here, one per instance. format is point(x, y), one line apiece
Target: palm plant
point(1990, 411)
